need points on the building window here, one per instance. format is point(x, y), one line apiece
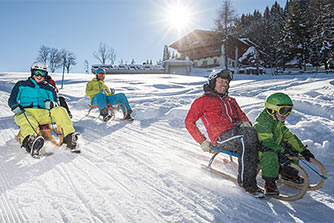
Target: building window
point(195, 64)
point(205, 62)
point(215, 61)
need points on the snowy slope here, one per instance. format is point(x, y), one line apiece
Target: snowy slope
point(149, 170)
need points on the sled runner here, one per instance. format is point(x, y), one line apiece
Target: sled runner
point(301, 189)
point(115, 111)
point(49, 132)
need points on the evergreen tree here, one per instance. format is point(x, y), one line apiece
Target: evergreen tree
point(273, 23)
point(297, 30)
point(295, 36)
point(166, 54)
point(327, 18)
point(316, 26)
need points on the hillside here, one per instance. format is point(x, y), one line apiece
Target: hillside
point(149, 170)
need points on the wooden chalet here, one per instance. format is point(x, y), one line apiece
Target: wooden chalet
point(205, 50)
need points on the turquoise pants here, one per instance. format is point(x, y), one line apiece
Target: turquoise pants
point(101, 100)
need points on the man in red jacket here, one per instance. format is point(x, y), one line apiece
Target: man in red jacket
point(227, 126)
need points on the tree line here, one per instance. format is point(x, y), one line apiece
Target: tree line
point(56, 58)
point(302, 31)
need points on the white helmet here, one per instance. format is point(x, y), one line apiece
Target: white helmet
point(39, 66)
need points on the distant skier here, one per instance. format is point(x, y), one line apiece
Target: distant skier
point(101, 96)
point(62, 100)
point(275, 138)
point(34, 102)
point(227, 126)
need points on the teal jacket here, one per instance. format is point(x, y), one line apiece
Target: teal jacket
point(29, 94)
point(273, 135)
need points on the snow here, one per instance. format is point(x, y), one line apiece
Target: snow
point(250, 52)
point(149, 170)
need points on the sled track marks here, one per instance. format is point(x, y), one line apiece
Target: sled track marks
point(115, 195)
point(126, 171)
point(9, 211)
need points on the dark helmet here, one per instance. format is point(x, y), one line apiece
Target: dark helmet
point(225, 74)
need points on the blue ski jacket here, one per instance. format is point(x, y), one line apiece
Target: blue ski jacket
point(30, 94)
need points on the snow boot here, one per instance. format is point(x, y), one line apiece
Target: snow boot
point(71, 141)
point(128, 116)
point(33, 144)
point(105, 114)
point(255, 191)
point(271, 188)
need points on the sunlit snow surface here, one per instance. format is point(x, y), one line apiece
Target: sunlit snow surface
point(149, 170)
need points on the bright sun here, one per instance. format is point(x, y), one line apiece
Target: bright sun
point(178, 16)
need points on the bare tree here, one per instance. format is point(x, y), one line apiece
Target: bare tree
point(43, 54)
point(112, 55)
point(55, 59)
point(102, 54)
point(225, 24)
point(226, 19)
point(70, 59)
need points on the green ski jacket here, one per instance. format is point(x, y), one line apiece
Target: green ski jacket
point(273, 135)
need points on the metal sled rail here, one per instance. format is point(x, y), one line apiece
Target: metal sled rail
point(112, 110)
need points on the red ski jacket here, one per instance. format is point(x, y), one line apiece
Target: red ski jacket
point(217, 113)
point(52, 82)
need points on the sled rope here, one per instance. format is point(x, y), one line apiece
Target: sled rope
point(30, 123)
point(293, 154)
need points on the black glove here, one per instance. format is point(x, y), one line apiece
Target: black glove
point(17, 109)
point(283, 159)
point(307, 154)
point(49, 104)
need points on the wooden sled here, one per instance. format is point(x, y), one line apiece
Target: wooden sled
point(113, 110)
point(47, 131)
point(302, 189)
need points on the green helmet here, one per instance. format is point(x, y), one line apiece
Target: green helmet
point(280, 103)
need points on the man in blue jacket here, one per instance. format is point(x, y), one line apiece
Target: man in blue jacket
point(34, 102)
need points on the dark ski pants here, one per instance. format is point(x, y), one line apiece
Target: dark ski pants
point(244, 142)
point(63, 103)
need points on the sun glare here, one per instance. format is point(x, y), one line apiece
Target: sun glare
point(178, 15)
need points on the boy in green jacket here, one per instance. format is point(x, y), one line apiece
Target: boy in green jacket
point(275, 139)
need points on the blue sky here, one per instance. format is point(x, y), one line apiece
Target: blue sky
point(136, 29)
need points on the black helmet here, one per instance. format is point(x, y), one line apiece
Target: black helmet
point(225, 74)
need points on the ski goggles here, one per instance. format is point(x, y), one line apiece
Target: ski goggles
point(284, 110)
point(101, 74)
point(39, 73)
